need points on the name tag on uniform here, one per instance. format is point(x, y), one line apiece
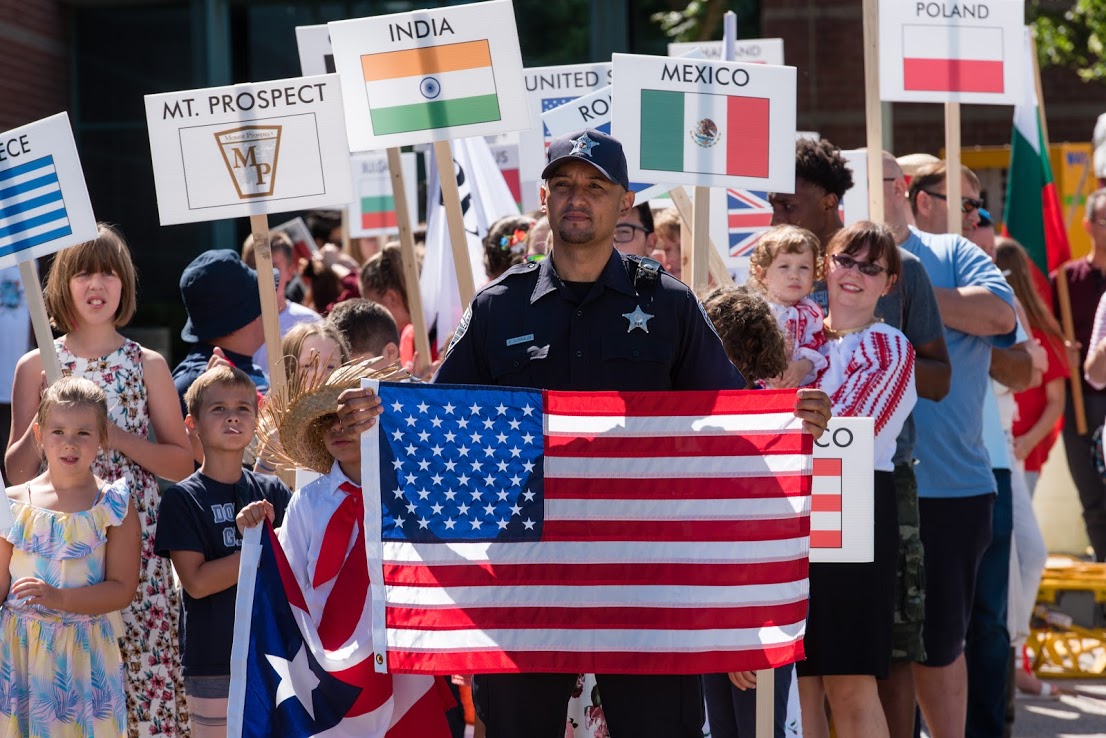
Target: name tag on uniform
point(520, 339)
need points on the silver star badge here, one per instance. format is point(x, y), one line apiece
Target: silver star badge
point(638, 319)
point(583, 145)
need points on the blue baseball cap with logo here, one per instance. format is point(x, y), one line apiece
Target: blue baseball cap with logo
point(602, 151)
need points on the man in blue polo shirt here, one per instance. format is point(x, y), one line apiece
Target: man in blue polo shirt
point(956, 487)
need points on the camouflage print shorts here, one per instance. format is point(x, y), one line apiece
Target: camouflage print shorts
point(910, 574)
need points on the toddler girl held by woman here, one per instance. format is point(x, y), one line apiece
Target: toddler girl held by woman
point(784, 266)
point(67, 567)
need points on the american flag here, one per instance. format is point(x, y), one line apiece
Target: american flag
point(32, 209)
point(547, 104)
point(750, 214)
point(587, 532)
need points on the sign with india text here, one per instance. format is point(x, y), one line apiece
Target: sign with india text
point(951, 51)
point(373, 210)
point(698, 122)
point(548, 88)
point(751, 50)
point(267, 147)
point(44, 205)
point(430, 75)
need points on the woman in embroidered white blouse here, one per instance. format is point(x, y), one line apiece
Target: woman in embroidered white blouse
point(869, 373)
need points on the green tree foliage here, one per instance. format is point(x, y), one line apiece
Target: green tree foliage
point(1072, 34)
point(701, 20)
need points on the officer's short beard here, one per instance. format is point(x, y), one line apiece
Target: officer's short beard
point(578, 237)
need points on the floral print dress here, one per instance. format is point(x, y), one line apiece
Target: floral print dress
point(151, 654)
point(61, 674)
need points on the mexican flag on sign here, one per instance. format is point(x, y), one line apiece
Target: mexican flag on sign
point(1032, 213)
point(705, 133)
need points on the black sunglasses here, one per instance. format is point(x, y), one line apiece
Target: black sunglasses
point(967, 204)
point(869, 268)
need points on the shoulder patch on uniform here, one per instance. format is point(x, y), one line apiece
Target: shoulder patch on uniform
point(462, 327)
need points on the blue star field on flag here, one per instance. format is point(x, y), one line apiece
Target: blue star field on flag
point(547, 104)
point(461, 473)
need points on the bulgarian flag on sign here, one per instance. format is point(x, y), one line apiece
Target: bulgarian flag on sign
point(431, 87)
point(705, 133)
point(1032, 210)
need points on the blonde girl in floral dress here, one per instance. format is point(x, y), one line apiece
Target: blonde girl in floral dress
point(67, 566)
point(90, 293)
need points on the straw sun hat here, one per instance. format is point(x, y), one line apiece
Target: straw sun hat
point(292, 424)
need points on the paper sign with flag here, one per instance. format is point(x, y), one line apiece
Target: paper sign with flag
point(548, 88)
point(430, 75)
point(751, 50)
point(842, 503)
point(940, 52)
point(1033, 215)
point(285, 685)
point(44, 205)
point(506, 158)
point(715, 124)
point(249, 149)
point(373, 212)
point(635, 532)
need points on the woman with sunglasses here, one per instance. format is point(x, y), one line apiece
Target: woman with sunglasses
point(869, 373)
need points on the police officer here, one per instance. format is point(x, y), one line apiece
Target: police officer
point(588, 318)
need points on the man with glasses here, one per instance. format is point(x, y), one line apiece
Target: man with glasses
point(1086, 279)
point(634, 234)
point(956, 486)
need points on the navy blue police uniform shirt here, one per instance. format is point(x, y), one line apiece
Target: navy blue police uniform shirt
point(198, 515)
point(529, 328)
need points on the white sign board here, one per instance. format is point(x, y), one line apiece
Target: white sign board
point(854, 206)
point(267, 147)
point(951, 52)
point(44, 205)
point(316, 55)
point(504, 148)
point(297, 230)
point(373, 211)
point(548, 88)
point(430, 75)
point(842, 506)
point(749, 50)
point(715, 124)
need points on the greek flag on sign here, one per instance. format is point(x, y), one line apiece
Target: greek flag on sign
point(32, 210)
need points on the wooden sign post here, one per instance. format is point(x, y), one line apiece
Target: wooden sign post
point(270, 314)
point(41, 157)
point(718, 271)
point(953, 178)
point(455, 220)
point(409, 259)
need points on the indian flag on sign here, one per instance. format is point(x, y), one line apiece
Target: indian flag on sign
point(432, 87)
point(704, 133)
point(952, 59)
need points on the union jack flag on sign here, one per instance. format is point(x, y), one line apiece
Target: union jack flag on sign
point(750, 214)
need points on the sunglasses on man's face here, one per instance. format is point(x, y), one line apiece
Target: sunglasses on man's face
point(967, 204)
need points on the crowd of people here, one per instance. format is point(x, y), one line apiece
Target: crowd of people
point(118, 607)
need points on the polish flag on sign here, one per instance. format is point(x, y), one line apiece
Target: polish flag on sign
point(705, 133)
point(433, 87)
point(952, 58)
point(634, 532)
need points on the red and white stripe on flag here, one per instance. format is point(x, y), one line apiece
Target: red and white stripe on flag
point(675, 540)
point(952, 58)
point(825, 504)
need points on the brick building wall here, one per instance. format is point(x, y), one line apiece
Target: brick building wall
point(34, 82)
point(823, 39)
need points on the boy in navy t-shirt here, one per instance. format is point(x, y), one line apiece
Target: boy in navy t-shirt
point(196, 530)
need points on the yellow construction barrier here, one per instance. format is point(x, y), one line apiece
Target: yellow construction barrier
point(1068, 632)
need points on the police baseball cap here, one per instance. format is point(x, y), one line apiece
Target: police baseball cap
point(593, 146)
